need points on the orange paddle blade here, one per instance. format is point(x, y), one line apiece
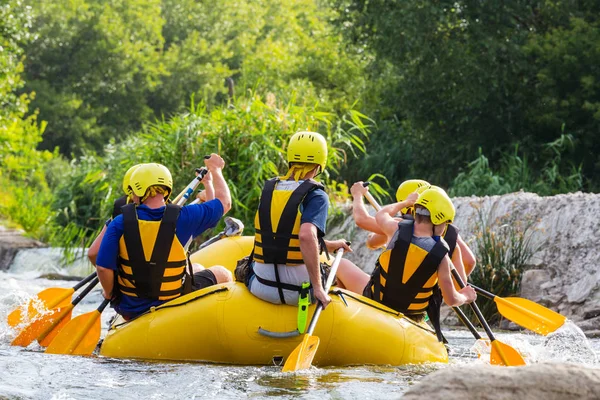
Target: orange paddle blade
point(303, 354)
point(79, 337)
point(503, 354)
point(42, 326)
point(530, 315)
point(45, 300)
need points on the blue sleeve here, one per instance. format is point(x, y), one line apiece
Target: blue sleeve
point(196, 218)
point(109, 247)
point(314, 210)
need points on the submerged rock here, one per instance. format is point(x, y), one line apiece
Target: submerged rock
point(538, 381)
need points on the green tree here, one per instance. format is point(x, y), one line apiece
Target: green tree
point(93, 65)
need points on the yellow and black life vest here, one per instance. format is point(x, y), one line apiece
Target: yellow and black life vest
point(277, 223)
point(152, 261)
point(406, 275)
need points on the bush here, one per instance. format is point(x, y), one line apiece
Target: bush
point(503, 247)
point(251, 134)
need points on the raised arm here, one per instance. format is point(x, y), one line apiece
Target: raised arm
point(385, 216)
point(215, 165)
point(359, 210)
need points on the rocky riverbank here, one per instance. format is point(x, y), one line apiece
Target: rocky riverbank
point(563, 274)
point(11, 241)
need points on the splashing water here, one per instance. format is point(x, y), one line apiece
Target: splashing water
point(29, 373)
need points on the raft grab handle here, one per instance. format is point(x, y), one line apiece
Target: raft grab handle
point(278, 335)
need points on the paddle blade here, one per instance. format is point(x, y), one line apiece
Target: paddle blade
point(79, 337)
point(41, 326)
point(45, 300)
point(303, 354)
point(530, 315)
point(503, 354)
point(46, 338)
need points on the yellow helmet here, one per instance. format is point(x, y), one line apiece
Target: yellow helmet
point(309, 148)
point(408, 187)
point(439, 205)
point(127, 178)
point(150, 175)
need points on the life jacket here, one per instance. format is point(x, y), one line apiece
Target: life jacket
point(277, 223)
point(277, 226)
point(120, 202)
point(152, 261)
point(405, 274)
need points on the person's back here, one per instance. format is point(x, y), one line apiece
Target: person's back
point(145, 246)
point(407, 273)
point(290, 224)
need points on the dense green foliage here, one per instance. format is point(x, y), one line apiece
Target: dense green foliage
point(456, 77)
point(102, 68)
point(481, 97)
point(22, 167)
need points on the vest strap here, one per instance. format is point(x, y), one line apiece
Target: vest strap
point(451, 238)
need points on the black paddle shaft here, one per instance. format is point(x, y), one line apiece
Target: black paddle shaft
point(85, 280)
point(484, 293)
point(474, 307)
point(103, 305)
point(461, 315)
point(85, 291)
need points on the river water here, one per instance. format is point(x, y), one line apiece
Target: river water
point(31, 374)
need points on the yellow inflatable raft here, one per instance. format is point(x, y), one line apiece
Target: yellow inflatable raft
point(227, 324)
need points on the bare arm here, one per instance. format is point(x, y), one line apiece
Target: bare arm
point(457, 261)
point(385, 217)
point(453, 297)
point(209, 189)
point(95, 247)
point(215, 165)
point(359, 211)
point(107, 280)
point(376, 240)
point(309, 246)
point(468, 258)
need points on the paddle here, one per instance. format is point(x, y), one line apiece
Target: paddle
point(189, 189)
point(46, 327)
point(502, 354)
point(526, 313)
point(80, 336)
point(304, 353)
point(44, 301)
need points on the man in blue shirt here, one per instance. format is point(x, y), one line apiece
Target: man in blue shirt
point(290, 225)
point(144, 247)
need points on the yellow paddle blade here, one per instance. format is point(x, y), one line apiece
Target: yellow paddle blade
point(42, 326)
point(530, 315)
point(46, 338)
point(79, 337)
point(503, 354)
point(45, 300)
point(303, 354)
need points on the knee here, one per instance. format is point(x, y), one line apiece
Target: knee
point(197, 267)
point(221, 273)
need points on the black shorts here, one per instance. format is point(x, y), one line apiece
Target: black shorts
point(204, 279)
